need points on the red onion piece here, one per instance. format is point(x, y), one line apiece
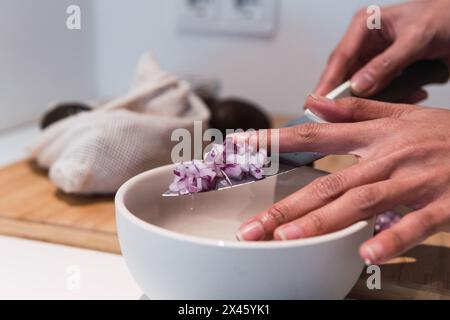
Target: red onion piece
point(386, 221)
point(221, 165)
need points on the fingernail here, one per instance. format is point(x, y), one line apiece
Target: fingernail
point(290, 232)
point(362, 83)
point(251, 232)
point(318, 98)
point(373, 252)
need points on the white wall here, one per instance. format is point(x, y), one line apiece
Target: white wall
point(40, 60)
point(276, 72)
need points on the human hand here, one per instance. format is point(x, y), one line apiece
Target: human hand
point(403, 153)
point(410, 32)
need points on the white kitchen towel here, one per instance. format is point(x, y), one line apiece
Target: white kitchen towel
point(96, 152)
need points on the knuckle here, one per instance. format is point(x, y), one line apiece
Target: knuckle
point(418, 113)
point(357, 106)
point(329, 187)
point(413, 149)
point(365, 198)
point(352, 102)
point(307, 132)
point(417, 150)
point(384, 64)
point(396, 240)
point(391, 123)
point(427, 225)
point(421, 33)
point(277, 214)
point(386, 124)
point(318, 223)
point(437, 218)
point(396, 114)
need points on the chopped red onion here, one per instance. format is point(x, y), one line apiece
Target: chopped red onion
point(222, 164)
point(386, 221)
point(192, 177)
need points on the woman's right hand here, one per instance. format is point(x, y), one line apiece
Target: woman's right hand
point(409, 32)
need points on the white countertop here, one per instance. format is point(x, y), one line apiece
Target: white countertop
point(37, 270)
point(13, 143)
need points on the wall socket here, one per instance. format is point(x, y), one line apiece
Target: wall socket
point(236, 17)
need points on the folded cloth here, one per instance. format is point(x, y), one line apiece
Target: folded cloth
point(96, 152)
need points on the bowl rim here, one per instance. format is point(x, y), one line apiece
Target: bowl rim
point(122, 210)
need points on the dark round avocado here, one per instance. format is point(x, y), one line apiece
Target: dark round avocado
point(62, 111)
point(237, 114)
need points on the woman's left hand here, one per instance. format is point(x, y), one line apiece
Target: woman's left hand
point(404, 159)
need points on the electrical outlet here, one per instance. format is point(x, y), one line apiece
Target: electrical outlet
point(248, 10)
point(250, 17)
point(197, 11)
point(238, 17)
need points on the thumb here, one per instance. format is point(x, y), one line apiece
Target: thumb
point(382, 69)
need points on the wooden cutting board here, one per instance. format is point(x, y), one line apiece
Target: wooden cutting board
point(31, 207)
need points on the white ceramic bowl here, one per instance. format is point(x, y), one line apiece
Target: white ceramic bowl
point(185, 247)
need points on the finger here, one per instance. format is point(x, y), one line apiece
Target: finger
point(355, 109)
point(355, 205)
point(345, 56)
point(382, 69)
point(416, 97)
point(315, 195)
point(413, 229)
point(338, 139)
